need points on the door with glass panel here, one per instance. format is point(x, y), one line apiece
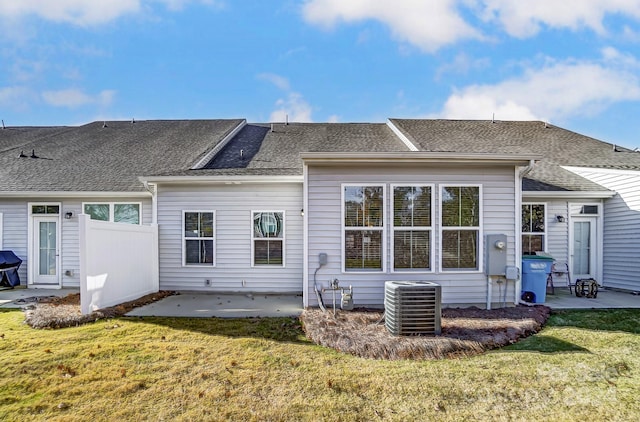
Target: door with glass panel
point(45, 250)
point(584, 239)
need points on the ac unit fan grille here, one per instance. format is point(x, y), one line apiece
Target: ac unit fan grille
point(412, 307)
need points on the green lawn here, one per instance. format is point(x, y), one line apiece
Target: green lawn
point(585, 365)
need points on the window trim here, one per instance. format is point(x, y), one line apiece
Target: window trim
point(112, 207)
point(185, 238)
point(382, 229)
point(393, 229)
point(479, 229)
point(282, 238)
point(545, 233)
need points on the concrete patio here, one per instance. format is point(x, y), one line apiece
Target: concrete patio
point(206, 305)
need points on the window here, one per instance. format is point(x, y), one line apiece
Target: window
point(363, 224)
point(412, 227)
point(533, 228)
point(114, 211)
point(268, 238)
point(198, 237)
point(460, 231)
point(45, 209)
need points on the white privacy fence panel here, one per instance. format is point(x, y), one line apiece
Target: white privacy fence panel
point(118, 262)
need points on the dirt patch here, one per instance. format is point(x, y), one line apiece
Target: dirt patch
point(61, 312)
point(465, 332)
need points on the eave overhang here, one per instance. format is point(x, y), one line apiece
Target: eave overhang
point(411, 157)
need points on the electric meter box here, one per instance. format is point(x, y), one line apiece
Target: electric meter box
point(496, 254)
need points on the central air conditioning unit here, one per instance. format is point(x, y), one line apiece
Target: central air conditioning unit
point(412, 307)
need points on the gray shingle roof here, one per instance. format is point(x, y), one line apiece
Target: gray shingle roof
point(267, 150)
point(96, 158)
point(559, 147)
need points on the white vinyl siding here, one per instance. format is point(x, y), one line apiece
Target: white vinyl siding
point(233, 205)
point(15, 213)
point(324, 213)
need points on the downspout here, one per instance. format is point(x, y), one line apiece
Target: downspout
point(154, 201)
point(517, 284)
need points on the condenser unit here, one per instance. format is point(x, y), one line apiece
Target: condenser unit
point(412, 307)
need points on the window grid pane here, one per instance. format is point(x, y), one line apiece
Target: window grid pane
point(126, 213)
point(97, 211)
point(460, 249)
point(411, 249)
point(363, 249)
point(363, 206)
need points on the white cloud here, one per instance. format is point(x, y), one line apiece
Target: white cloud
point(555, 91)
point(78, 12)
point(15, 97)
point(86, 12)
point(524, 19)
point(429, 25)
point(277, 80)
point(72, 98)
point(293, 108)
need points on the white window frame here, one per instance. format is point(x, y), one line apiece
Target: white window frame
point(112, 205)
point(478, 228)
point(394, 229)
point(281, 238)
point(545, 233)
point(382, 229)
point(185, 238)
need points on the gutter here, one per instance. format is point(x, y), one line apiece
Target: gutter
point(73, 194)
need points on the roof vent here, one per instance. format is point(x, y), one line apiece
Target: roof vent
point(33, 153)
point(22, 155)
point(3, 125)
point(133, 120)
point(104, 124)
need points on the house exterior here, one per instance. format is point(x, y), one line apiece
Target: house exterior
point(285, 208)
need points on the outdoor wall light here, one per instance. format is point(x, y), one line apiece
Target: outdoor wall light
point(68, 215)
point(560, 218)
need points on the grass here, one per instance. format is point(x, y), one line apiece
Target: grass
point(583, 365)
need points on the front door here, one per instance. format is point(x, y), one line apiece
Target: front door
point(45, 249)
point(584, 252)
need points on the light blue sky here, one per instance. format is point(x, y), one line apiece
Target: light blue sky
point(574, 63)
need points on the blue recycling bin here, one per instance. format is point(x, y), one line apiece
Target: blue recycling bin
point(535, 270)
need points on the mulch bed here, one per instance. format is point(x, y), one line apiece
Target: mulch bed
point(62, 312)
point(465, 332)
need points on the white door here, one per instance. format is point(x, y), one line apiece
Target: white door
point(584, 249)
point(45, 263)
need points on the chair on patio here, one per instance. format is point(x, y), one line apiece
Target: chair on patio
point(559, 270)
